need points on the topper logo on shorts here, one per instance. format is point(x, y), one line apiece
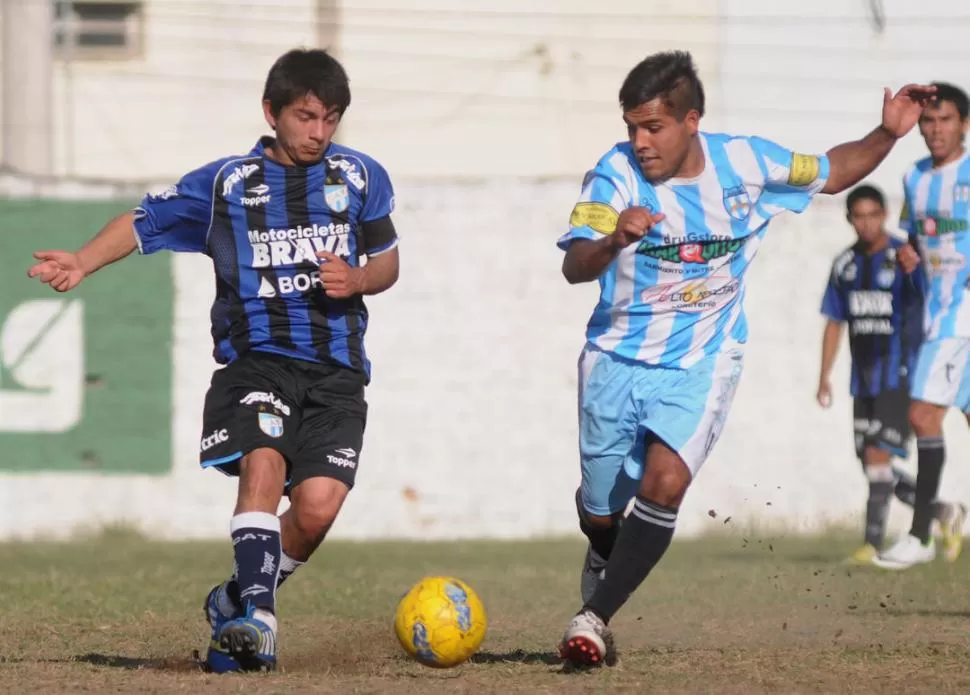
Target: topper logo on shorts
point(344, 460)
point(254, 397)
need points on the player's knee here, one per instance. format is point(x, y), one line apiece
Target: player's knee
point(315, 504)
point(875, 456)
point(666, 483)
point(598, 522)
point(926, 419)
point(262, 474)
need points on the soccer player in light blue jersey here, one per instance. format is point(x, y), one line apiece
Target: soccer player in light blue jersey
point(936, 215)
point(668, 223)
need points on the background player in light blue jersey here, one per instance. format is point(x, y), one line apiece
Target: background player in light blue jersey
point(937, 216)
point(668, 223)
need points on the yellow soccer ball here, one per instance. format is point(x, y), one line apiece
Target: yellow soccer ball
point(440, 622)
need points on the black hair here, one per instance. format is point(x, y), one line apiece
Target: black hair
point(300, 72)
point(864, 192)
point(953, 94)
point(670, 76)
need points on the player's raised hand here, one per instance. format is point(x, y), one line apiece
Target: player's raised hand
point(908, 258)
point(59, 269)
point(339, 279)
point(824, 394)
point(902, 111)
point(633, 224)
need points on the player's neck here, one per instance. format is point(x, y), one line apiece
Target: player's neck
point(876, 246)
point(694, 162)
point(950, 158)
point(278, 154)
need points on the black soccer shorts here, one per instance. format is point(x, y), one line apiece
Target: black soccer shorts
point(313, 414)
point(882, 421)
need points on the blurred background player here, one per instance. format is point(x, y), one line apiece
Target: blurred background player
point(883, 310)
point(287, 412)
point(668, 223)
point(936, 215)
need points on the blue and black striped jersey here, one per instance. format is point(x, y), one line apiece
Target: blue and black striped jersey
point(262, 223)
point(883, 309)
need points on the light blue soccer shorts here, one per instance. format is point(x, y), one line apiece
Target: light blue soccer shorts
point(942, 375)
point(620, 402)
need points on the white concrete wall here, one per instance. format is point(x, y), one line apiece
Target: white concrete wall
point(194, 96)
point(450, 88)
point(472, 424)
point(811, 75)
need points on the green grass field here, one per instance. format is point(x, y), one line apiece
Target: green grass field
point(720, 615)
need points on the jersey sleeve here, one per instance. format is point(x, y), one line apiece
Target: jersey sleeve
point(378, 194)
point(833, 303)
point(377, 230)
point(791, 179)
point(595, 215)
point(178, 218)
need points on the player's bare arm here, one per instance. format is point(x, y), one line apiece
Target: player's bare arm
point(850, 162)
point(831, 337)
point(587, 259)
point(341, 281)
point(64, 270)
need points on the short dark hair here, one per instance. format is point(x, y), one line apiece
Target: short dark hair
point(671, 76)
point(864, 192)
point(953, 94)
point(300, 72)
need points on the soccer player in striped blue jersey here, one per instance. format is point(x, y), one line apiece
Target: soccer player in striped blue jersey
point(667, 223)
point(936, 214)
point(882, 308)
point(286, 226)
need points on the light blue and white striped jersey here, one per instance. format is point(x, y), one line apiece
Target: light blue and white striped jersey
point(677, 295)
point(936, 215)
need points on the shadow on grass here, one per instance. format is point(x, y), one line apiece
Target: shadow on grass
point(517, 656)
point(130, 663)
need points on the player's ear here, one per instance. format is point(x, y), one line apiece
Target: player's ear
point(268, 114)
point(693, 121)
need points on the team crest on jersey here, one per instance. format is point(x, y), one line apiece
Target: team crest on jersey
point(885, 277)
point(887, 274)
point(271, 424)
point(737, 202)
point(337, 197)
point(961, 192)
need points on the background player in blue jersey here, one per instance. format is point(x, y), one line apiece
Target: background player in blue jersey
point(882, 308)
point(667, 223)
point(936, 214)
point(286, 226)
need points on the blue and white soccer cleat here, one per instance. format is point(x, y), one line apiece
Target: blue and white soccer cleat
point(219, 610)
point(250, 641)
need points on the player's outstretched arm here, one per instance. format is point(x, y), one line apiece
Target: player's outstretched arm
point(64, 270)
point(850, 162)
point(586, 259)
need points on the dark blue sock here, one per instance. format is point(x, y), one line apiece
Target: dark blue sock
point(256, 545)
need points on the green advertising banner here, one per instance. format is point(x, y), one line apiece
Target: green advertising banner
point(85, 376)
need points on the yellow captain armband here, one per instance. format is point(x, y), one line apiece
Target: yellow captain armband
point(597, 216)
